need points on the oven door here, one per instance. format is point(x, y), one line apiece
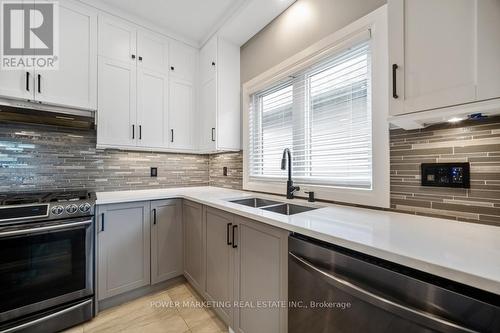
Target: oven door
point(45, 265)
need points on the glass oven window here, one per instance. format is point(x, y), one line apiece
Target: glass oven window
point(38, 267)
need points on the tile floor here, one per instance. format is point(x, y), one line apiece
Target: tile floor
point(154, 314)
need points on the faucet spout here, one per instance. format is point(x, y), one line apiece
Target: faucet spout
point(290, 188)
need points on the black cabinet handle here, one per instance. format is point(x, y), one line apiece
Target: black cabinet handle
point(133, 132)
point(394, 86)
point(140, 58)
point(133, 56)
point(228, 241)
point(172, 135)
point(213, 63)
point(27, 81)
point(102, 222)
point(140, 132)
point(154, 216)
point(172, 68)
point(39, 84)
point(213, 134)
point(234, 239)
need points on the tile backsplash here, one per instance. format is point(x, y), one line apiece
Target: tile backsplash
point(234, 164)
point(477, 142)
point(36, 157)
point(44, 157)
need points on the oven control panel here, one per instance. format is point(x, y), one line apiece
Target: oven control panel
point(71, 209)
point(446, 174)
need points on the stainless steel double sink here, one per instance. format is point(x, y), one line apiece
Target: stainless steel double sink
point(273, 206)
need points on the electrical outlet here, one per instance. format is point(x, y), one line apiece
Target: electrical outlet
point(224, 171)
point(154, 172)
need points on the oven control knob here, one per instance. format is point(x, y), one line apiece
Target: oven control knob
point(57, 210)
point(85, 208)
point(71, 209)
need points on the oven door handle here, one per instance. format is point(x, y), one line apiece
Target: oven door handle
point(41, 229)
point(416, 315)
point(42, 319)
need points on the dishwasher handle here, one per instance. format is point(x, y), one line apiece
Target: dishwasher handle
point(416, 315)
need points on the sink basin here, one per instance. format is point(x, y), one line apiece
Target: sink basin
point(255, 202)
point(288, 209)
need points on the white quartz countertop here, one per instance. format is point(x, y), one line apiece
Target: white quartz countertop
point(463, 252)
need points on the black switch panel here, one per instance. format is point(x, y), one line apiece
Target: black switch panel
point(446, 174)
point(154, 172)
point(224, 171)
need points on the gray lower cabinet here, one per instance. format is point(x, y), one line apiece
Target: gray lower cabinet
point(246, 263)
point(166, 240)
point(193, 230)
point(219, 258)
point(123, 248)
point(261, 275)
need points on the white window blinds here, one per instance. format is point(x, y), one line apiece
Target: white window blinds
point(323, 114)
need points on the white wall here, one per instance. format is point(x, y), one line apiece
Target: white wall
point(302, 24)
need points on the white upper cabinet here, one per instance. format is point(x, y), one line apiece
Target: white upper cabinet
point(117, 39)
point(152, 108)
point(143, 103)
point(181, 114)
point(183, 61)
point(488, 34)
point(219, 105)
point(116, 115)
point(74, 83)
point(152, 52)
point(17, 84)
point(443, 53)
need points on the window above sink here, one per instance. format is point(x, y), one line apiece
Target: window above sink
point(328, 105)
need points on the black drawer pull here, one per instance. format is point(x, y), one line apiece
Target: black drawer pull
point(172, 135)
point(228, 241)
point(234, 239)
point(394, 85)
point(27, 81)
point(213, 134)
point(102, 222)
point(39, 84)
point(133, 132)
point(154, 216)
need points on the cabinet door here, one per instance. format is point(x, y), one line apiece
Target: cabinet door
point(181, 113)
point(488, 49)
point(193, 244)
point(261, 275)
point(152, 108)
point(123, 248)
point(182, 60)
point(74, 84)
point(208, 115)
point(219, 260)
point(208, 60)
point(434, 45)
point(117, 103)
point(166, 240)
point(152, 52)
point(117, 39)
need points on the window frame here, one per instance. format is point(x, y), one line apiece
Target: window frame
point(373, 25)
point(303, 121)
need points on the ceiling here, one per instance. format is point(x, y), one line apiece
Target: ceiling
point(192, 19)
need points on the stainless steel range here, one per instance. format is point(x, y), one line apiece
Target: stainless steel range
point(46, 260)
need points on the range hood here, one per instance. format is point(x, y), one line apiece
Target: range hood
point(30, 113)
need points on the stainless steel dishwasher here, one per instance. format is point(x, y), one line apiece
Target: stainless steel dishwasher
point(332, 289)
